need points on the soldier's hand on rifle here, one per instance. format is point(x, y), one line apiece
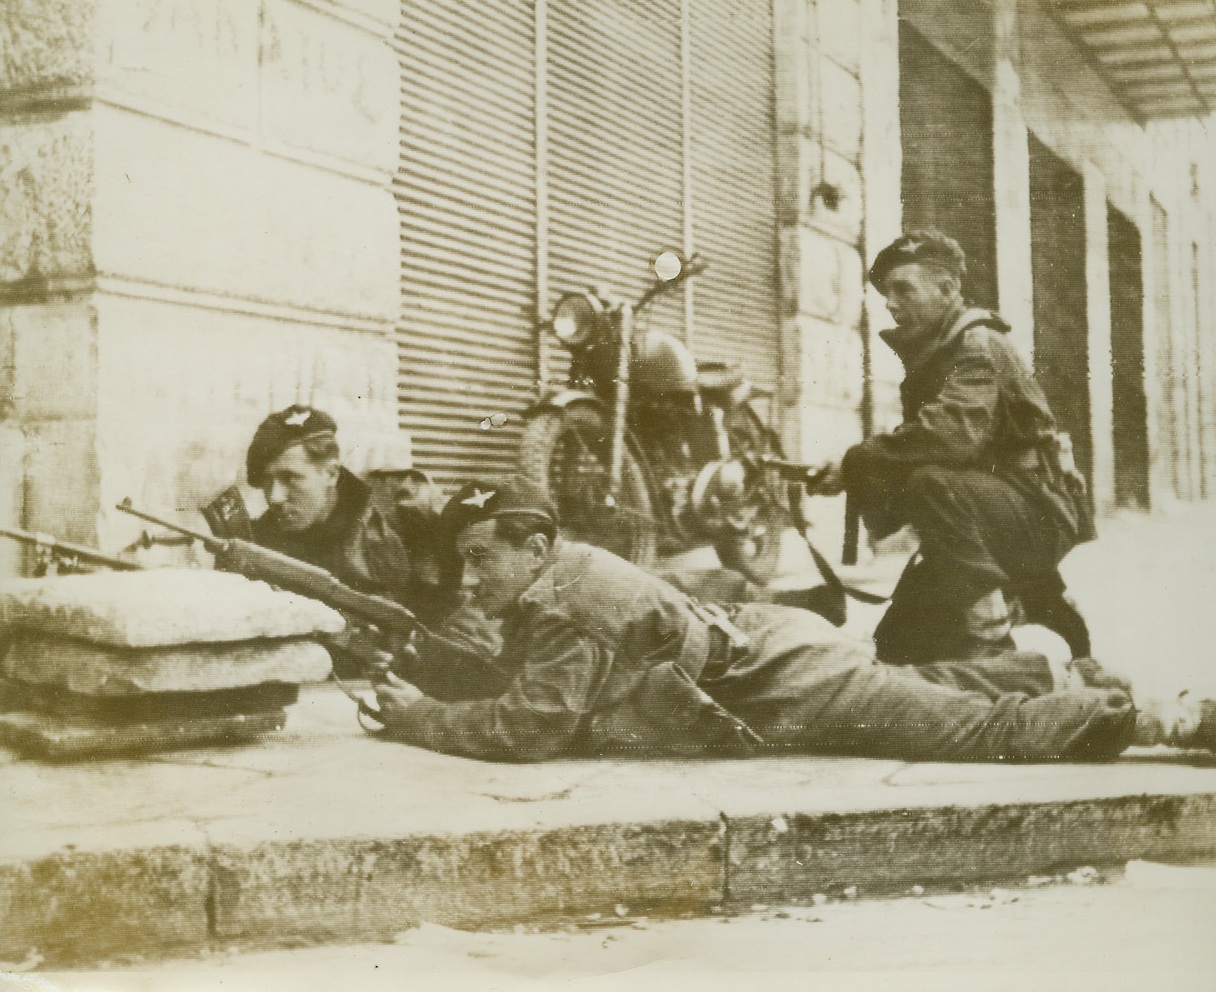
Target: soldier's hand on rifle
point(402, 654)
point(825, 479)
point(394, 696)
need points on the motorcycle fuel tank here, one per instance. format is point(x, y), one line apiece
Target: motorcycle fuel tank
point(662, 364)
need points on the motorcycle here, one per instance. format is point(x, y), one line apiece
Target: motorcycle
point(649, 452)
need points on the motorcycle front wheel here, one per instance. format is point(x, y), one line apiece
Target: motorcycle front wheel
point(566, 452)
point(756, 550)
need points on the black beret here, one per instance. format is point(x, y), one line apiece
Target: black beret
point(476, 501)
point(925, 246)
point(282, 430)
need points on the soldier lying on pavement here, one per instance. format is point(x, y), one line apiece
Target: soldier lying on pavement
point(977, 468)
point(600, 657)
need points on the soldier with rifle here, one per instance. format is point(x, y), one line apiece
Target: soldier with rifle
point(978, 468)
point(604, 658)
point(320, 513)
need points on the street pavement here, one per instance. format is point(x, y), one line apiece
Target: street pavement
point(323, 834)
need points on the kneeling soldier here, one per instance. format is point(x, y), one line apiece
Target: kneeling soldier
point(978, 468)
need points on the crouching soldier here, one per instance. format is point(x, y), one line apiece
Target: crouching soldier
point(977, 468)
point(600, 657)
point(323, 514)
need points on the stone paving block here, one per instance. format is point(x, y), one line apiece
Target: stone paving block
point(367, 889)
point(57, 738)
point(784, 857)
point(159, 607)
point(85, 906)
point(95, 670)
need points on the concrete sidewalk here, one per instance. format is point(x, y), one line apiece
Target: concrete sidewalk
point(325, 834)
point(322, 833)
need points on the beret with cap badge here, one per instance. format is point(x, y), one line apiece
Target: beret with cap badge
point(480, 500)
point(282, 430)
point(928, 247)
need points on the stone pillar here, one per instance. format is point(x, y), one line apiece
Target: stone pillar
point(1011, 166)
point(881, 164)
point(819, 121)
point(196, 226)
point(1101, 388)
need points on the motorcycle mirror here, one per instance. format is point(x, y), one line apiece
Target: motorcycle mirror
point(667, 266)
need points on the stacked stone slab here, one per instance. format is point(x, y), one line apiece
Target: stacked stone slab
point(144, 661)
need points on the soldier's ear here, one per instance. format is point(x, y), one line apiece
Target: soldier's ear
point(539, 545)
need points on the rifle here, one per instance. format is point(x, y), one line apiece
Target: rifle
point(234, 554)
point(809, 476)
point(74, 556)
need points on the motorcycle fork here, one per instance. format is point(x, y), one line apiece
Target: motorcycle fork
point(620, 403)
point(722, 438)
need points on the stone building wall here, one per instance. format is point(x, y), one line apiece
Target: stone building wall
point(196, 227)
point(822, 207)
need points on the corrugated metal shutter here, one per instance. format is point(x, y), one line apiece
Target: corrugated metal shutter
point(733, 197)
point(466, 194)
point(614, 174)
point(615, 146)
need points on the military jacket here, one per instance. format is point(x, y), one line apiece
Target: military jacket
point(598, 656)
point(969, 400)
point(357, 545)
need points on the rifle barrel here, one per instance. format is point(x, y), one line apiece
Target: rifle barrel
point(209, 541)
point(67, 549)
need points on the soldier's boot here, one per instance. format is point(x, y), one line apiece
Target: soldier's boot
point(1045, 602)
point(988, 626)
point(1093, 676)
point(1183, 722)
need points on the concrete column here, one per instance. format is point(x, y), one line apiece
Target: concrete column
point(1011, 167)
point(1156, 378)
point(1207, 354)
point(881, 163)
point(1101, 388)
point(820, 121)
point(819, 213)
point(198, 227)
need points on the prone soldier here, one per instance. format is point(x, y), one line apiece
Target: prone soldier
point(604, 658)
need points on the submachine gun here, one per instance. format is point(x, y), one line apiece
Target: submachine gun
point(234, 554)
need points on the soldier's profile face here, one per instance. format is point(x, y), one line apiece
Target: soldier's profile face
point(298, 492)
point(496, 572)
point(917, 295)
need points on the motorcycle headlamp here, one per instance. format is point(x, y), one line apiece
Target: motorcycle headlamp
point(577, 317)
